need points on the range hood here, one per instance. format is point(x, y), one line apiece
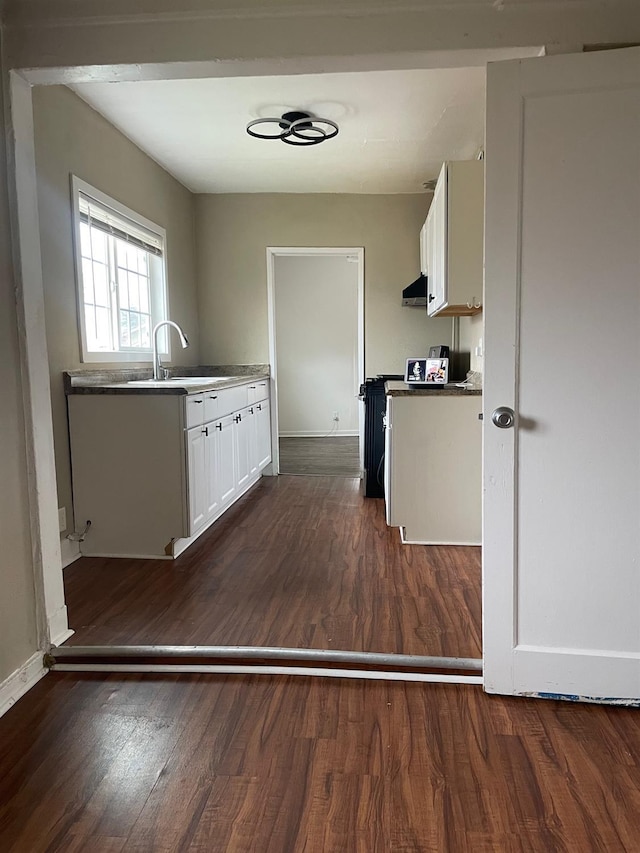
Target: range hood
point(415, 296)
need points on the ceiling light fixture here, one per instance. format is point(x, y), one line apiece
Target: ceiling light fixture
point(296, 128)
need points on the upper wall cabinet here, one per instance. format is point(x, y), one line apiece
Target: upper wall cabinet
point(454, 234)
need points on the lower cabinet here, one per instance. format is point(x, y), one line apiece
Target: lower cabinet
point(197, 462)
point(224, 457)
point(153, 471)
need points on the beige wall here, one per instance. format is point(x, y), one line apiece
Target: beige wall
point(18, 636)
point(471, 334)
point(316, 301)
point(234, 231)
point(73, 138)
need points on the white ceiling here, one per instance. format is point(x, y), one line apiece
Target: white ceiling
point(396, 128)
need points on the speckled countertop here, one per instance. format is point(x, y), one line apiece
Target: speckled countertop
point(115, 381)
point(401, 389)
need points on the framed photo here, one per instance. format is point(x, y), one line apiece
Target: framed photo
point(415, 371)
point(437, 371)
point(426, 371)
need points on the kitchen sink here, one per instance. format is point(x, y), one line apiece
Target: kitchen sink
point(179, 381)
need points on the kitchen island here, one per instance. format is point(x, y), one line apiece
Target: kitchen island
point(433, 464)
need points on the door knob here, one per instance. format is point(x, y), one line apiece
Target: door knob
point(503, 417)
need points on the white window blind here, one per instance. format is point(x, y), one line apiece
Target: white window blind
point(101, 217)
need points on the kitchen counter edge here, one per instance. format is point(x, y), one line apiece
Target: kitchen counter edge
point(76, 384)
point(400, 389)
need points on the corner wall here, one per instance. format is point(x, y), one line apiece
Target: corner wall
point(71, 138)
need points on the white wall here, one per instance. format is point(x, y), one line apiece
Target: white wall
point(316, 301)
point(71, 138)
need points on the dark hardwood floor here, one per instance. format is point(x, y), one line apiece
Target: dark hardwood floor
point(337, 456)
point(298, 562)
point(148, 764)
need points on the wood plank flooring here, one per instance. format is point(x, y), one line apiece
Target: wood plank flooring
point(209, 764)
point(298, 562)
point(337, 456)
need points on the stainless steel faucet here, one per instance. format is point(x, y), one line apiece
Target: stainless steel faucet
point(159, 372)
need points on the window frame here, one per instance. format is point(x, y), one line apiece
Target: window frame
point(159, 291)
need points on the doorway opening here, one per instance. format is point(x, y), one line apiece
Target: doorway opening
point(316, 350)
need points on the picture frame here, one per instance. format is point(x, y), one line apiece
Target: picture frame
point(426, 371)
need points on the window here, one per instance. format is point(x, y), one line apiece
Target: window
point(120, 274)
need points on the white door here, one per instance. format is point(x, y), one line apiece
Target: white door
point(562, 329)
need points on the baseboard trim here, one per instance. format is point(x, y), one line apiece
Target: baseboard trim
point(20, 681)
point(406, 541)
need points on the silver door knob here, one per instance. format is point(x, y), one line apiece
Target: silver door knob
point(503, 417)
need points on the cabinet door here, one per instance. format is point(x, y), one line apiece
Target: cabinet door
point(424, 250)
point(197, 485)
point(252, 417)
point(263, 433)
point(225, 450)
point(388, 464)
point(437, 246)
point(241, 433)
point(211, 477)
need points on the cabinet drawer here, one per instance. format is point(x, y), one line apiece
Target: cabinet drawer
point(211, 405)
point(232, 399)
point(194, 410)
point(258, 391)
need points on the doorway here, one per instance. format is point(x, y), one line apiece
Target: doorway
point(316, 345)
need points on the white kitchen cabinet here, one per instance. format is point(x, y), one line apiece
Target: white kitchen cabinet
point(424, 250)
point(242, 442)
point(454, 240)
point(153, 471)
point(433, 466)
point(263, 433)
point(197, 477)
point(224, 431)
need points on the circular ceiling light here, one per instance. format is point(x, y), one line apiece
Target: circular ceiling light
point(295, 128)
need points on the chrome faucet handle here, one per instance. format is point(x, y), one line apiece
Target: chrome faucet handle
point(164, 372)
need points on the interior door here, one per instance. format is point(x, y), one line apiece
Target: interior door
point(562, 329)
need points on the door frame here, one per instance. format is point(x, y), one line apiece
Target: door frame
point(274, 252)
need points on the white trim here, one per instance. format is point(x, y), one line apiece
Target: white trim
point(233, 669)
point(274, 252)
point(43, 498)
point(69, 551)
point(23, 679)
point(320, 433)
point(112, 356)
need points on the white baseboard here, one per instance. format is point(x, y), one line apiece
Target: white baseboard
point(23, 679)
point(319, 434)
point(69, 551)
